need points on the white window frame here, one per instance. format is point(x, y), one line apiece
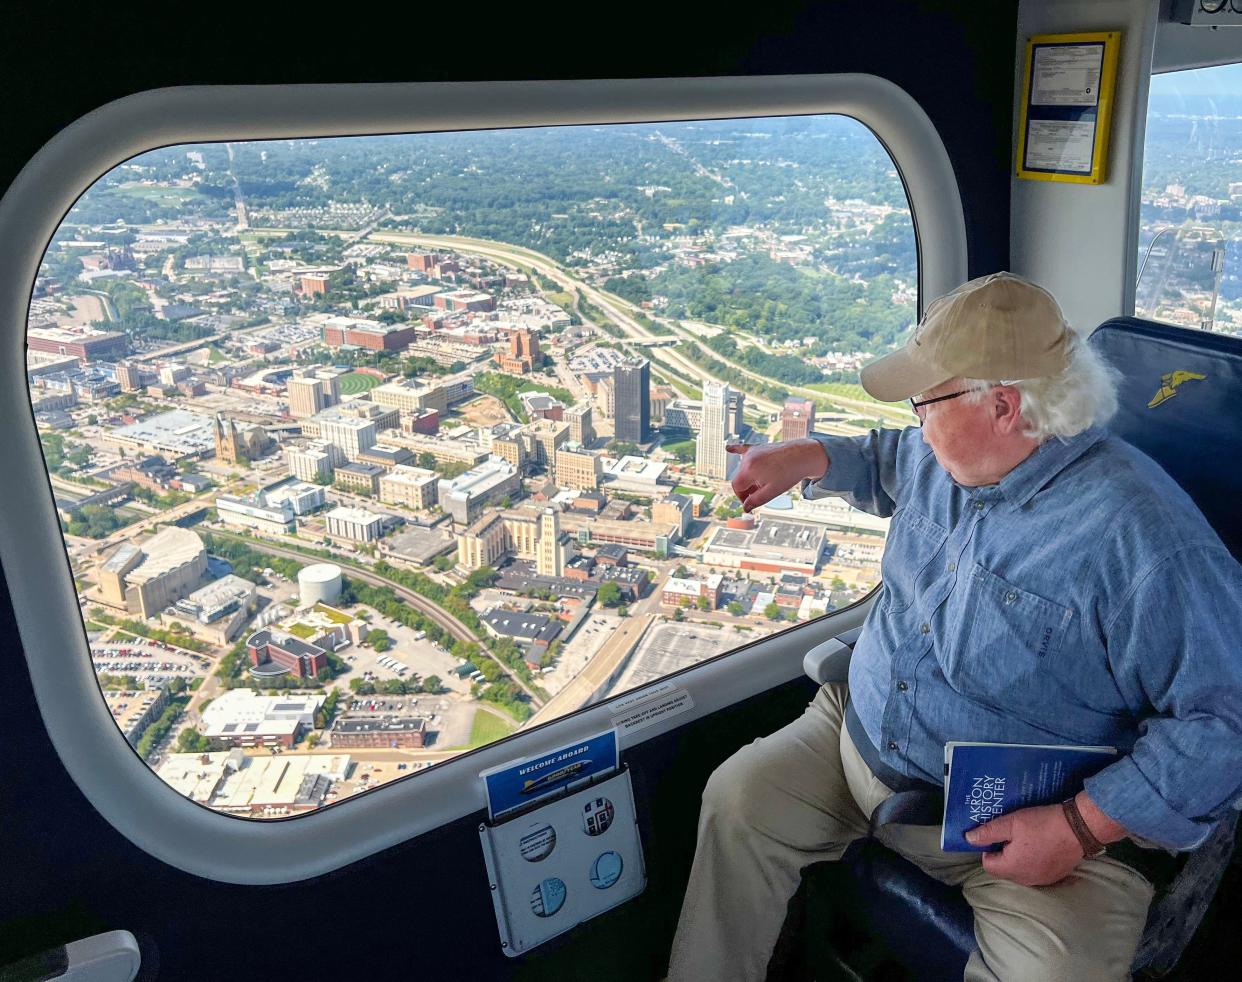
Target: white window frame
point(119, 784)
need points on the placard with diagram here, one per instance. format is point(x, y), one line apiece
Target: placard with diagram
point(552, 867)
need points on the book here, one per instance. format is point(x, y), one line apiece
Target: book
point(985, 780)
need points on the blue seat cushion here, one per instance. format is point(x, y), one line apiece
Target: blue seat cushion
point(885, 917)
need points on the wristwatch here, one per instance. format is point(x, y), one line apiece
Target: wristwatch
point(1091, 846)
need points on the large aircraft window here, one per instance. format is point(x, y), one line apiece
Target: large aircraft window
point(370, 451)
point(1190, 267)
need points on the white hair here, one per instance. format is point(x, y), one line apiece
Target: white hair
point(1082, 395)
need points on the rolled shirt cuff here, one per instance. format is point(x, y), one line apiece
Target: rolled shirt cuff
point(847, 468)
point(1123, 793)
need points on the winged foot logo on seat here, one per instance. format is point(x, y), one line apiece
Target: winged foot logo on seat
point(1169, 384)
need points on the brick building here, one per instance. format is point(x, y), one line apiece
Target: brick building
point(274, 653)
point(399, 732)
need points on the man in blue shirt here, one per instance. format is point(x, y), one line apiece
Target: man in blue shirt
point(1044, 583)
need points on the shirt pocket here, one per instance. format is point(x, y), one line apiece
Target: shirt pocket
point(913, 541)
point(1009, 639)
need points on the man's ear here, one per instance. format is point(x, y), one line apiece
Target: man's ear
point(1007, 407)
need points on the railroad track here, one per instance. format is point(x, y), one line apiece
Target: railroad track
point(429, 608)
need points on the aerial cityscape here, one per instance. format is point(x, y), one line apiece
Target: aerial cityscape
point(1191, 212)
point(374, 450)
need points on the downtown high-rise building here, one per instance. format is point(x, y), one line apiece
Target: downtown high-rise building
point(632, 395)
point(581, 430)
point(797, 418)
point(313, 391)
point(711, 460)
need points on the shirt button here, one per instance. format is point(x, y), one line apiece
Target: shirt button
point(952, 567)
point(892, 745)
point(1010, 597)
point(902, 686)
point(978, 506)
point(926, 628)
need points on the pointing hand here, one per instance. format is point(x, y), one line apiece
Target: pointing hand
point(770, 469)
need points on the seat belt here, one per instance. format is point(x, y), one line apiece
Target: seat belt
point(913, 802)
point(907, 808)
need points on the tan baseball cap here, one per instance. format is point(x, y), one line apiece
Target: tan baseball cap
point(995, 327)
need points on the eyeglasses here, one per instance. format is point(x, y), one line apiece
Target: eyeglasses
point(916, 406)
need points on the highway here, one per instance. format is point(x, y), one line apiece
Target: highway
point(608, 304)
point(420, 603)
point(598, 670)
point(617, 310)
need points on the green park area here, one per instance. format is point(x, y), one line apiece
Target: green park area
point(353, 383)
point(488, 728)
point(686, 489)
point(160, 194)
point(683, 450)
point(506, 388)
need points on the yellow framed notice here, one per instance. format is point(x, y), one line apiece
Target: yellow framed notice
point(1067, 107)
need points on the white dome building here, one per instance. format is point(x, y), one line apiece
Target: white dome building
point(320, 583)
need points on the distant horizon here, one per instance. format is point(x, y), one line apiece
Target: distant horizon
point(1218, 81)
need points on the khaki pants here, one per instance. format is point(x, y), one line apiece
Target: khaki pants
point(803, 794)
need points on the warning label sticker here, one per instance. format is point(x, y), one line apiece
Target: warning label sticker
point(653, 711)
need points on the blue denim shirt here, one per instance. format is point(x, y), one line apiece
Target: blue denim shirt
point(1082, 600)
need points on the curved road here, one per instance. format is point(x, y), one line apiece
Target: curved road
point(416, 600)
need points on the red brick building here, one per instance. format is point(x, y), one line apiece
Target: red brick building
point(797, 419)
point(400, 732)
point(524, 354)
point(422, 261)
point(314, 284)
point(376, 337)
point(86, 344)
point(267, 648)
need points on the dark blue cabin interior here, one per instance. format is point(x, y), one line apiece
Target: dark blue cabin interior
point(422, 908)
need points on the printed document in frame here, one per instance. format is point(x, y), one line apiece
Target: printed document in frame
point(1067, 106)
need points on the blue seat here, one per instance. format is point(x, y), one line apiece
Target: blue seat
point(1177, 388)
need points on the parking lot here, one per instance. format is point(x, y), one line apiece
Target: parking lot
point(580, 649)
point(671, 647)
point(419, 656)
point(148, 661)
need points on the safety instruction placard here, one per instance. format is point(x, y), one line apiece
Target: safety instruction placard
point(1067, 97)
point(568, 860)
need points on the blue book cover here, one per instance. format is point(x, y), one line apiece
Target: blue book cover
point(986, 780)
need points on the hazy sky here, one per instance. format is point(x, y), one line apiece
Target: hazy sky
point(1222, 80)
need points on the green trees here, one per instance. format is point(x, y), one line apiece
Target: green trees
point(772, 612)
point(507, 387)
point(327, 712)
point(735, 608)
point(249, 563)
point(774, 299)
point(191, 741)
point(609, 594)
point(785, 368)
point(509, 697)
point(703, 603)
point(94, 522)
point(159, 729)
